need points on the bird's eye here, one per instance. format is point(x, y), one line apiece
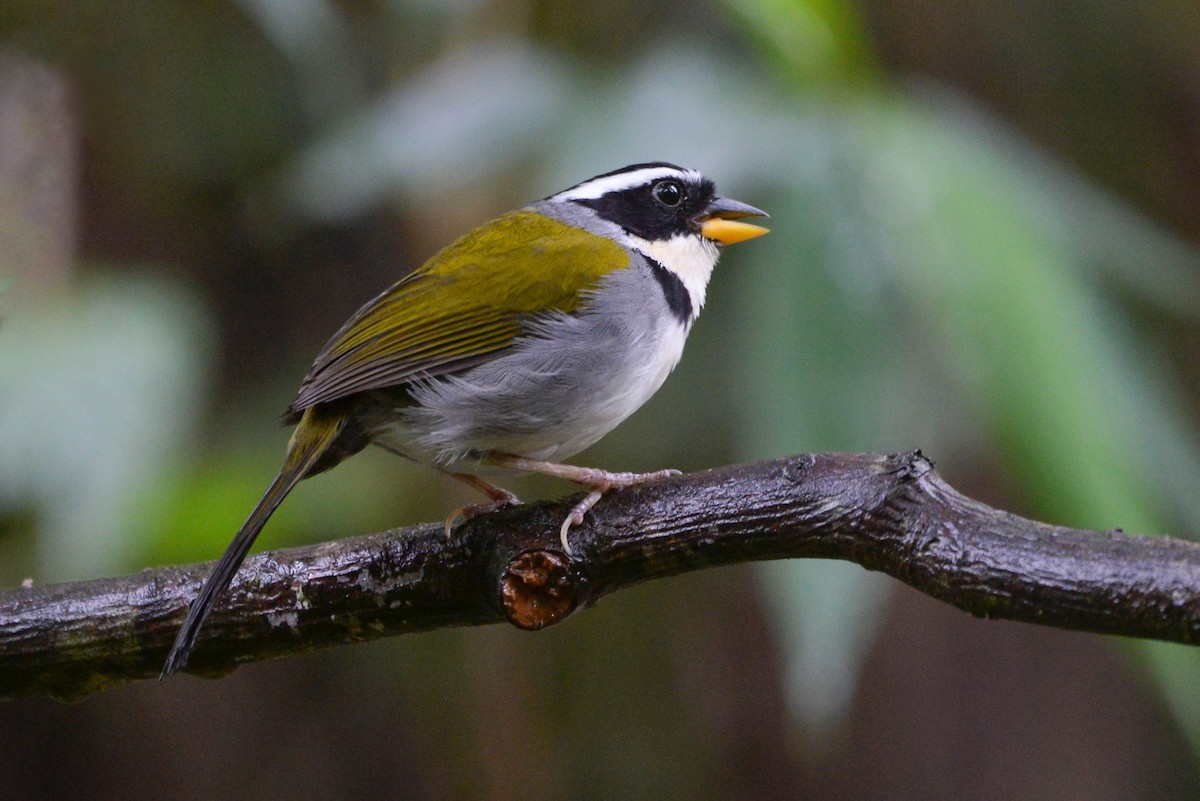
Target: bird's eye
point(668, 193)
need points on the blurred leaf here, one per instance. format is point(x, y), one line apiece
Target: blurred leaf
point(816, 42)
point(460, 122)
point(826, 614)
point(191, 512)
point(316, 39)
point(1176, 671)
point(1055, 373)
point(1108, 240)
point(99, 393)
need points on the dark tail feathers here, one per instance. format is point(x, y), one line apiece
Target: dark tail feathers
point(309, 443)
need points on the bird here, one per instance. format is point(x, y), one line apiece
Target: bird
point(518, 345)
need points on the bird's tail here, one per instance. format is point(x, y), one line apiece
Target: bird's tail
point(311, 441)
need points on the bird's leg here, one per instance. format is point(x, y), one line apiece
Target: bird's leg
point(499, 498)
point(598, 481)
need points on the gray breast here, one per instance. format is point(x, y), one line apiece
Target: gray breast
point(564, 384)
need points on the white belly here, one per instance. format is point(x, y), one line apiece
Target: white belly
point(608, 409)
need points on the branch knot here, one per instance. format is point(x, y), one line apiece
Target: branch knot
point(537, 589)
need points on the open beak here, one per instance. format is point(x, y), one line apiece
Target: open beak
point(721, 221)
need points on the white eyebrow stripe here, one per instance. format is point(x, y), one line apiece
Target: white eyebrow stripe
point(599, 187)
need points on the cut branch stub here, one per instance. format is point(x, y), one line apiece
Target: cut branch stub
point(537, 589)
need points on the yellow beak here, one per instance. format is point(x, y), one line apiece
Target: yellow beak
point(727, 232)
point(721, 221)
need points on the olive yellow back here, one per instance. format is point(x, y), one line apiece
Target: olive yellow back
point(467, 302)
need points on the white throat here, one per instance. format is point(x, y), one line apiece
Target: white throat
point(690, 256)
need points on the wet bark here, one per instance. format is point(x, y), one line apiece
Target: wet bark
point(891, 513)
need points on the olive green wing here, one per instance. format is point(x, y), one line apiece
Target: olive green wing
point(463, 305)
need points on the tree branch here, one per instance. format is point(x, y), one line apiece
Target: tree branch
point(889, 513)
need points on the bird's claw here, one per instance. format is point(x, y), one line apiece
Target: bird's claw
point(576, 516)
point(477, 509)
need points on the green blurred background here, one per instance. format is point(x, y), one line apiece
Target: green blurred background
point(985, 227)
